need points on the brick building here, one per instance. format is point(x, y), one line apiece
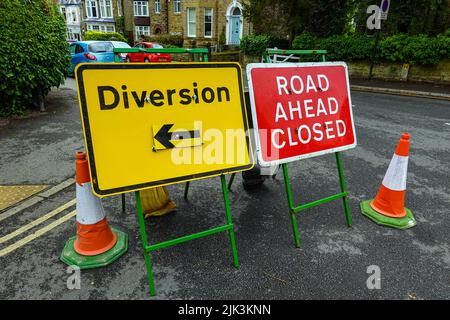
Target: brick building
point(199, 21)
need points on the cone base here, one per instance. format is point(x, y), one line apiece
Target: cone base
point(405, 222)
point(71, 257)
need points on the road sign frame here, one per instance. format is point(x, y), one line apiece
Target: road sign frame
point(164, 182)
point(261, 161)
point(228, 227)
point(293, 209)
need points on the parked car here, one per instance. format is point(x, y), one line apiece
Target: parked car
point(94, 51)
point(148, 57)
point(120, 44)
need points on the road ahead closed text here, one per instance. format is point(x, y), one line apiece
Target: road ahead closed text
point(300, 110)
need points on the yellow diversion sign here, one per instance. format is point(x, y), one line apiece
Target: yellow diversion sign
point(148, 125)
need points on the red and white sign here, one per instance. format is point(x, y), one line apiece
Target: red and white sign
point(300, 110)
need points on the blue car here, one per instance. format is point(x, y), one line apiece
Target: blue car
point(94, 51)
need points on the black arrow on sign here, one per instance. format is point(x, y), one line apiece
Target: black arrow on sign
point(164, 136)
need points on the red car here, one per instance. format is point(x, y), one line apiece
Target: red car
point(148, 57)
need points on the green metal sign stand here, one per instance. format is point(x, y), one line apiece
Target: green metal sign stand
point(228, 227)
point(293, 209)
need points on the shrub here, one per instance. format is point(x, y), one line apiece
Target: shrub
point(34, 54)
point(167, 40)
point(279, 43)
point(422, 50)
point(391, 48)
point(254, 45)
point(443, 45)
point(305, 41)
point(419, 49)
point(347, 47)
point(103, 36)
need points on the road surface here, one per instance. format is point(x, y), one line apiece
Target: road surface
point(333, 259)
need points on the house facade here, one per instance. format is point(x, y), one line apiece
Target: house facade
point(102, 15)
point(198, 21)
point(72, 12)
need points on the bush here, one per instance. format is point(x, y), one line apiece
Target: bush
point(278, 43)
point(34, 54)
point(401, 48)
point(347, 47)
point(103, 36)
point(305, 41)
point(254, 45)
point(168, 40)
point(443, 44)
point(391, 48)
point(419, 49)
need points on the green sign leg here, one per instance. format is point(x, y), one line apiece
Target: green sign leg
point(343, 189)
point(186, 190)
point(230, 183)
point(229, 221)
point(148, 262)
point(292, 213)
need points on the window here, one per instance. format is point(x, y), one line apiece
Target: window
point(176, 6)
point(119, 8)
point(141, 31)
point(71, 15)
point(157, 6)
point(91, 9)
point(63, 11)
point(101, 27)
point(72, 48)
point(208, 22)
point(191, 22)
point(101, 46)
point(78, 49)
point(106, 8)
point(107, 28)
point(141, 8)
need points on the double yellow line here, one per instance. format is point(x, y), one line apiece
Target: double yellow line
point(38, 232)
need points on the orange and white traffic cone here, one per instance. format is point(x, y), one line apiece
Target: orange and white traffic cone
point(388, 207)
point(95, 244)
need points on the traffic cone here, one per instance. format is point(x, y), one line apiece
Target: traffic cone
point(96, 244)
point(388, 207)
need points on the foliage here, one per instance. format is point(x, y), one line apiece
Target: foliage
point(34, 54)
point(413, 17)
point(222, 38)
point(305, 41)
point(401, 48)
point(254, 45)
point(103, 36)
point(291, 17)
point(167, 40)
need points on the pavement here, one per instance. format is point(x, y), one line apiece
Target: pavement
point(403, 88)
point(332, 262)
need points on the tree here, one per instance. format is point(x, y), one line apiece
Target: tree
point(291, 17)
point(34, 54)
point(413, 17)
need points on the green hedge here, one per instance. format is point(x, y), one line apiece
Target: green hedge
point(34, 54)
point(103, 36)
point(167, 40)
point(401, 48)
point(255, 45)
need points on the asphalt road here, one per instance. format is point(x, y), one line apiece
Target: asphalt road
point(332, 261)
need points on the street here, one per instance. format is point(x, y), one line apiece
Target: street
point(333, 259)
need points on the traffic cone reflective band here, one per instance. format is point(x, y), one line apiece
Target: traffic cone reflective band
point(95, 244)
point(388, 206)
